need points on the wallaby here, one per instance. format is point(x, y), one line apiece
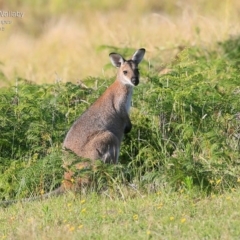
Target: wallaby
point(98, 132)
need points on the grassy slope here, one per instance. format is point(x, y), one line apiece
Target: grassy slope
point(156, 216)
point(167, 215)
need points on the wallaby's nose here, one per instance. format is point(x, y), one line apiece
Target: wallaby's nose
point(135, 80)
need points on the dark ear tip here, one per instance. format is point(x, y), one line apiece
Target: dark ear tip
point(112, 53)
point(142, 49)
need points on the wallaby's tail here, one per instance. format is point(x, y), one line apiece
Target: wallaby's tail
point(56, 192)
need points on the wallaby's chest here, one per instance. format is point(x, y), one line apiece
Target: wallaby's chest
point(128, 100)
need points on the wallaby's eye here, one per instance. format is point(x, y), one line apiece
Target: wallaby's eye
point(125, 72)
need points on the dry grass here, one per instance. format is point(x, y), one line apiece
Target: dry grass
point(50, 40)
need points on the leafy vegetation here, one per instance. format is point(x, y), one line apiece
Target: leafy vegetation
point(186, 128)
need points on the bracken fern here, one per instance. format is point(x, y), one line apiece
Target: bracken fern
point(186, 128)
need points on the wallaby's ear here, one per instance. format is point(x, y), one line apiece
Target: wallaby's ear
point(116, 59)
point(138, 55)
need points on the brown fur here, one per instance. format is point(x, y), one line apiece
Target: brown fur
point(98, 132)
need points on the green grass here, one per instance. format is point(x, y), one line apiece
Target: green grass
point(163, 215)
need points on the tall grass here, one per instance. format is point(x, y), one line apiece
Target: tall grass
point(67, 35)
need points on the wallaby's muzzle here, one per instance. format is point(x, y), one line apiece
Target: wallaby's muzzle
point(135, 80)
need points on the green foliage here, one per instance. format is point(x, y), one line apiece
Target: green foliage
point(231, 50)
point(34, 117)
point(189, 124)
point(186, 128)
point(33, 122)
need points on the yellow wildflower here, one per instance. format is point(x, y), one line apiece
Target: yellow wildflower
point(83, 210)
point(213, 195)
point(218, 181)
point(159, 206)
point(83, 201)
point(183, 220)
point(135, 217)
point(71, 229)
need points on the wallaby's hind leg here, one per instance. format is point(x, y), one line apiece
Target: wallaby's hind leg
point(104, 146)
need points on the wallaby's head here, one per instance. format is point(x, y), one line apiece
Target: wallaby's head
point(128, 69)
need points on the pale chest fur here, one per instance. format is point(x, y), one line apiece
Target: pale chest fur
point(129, 99)
point(122, 95)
